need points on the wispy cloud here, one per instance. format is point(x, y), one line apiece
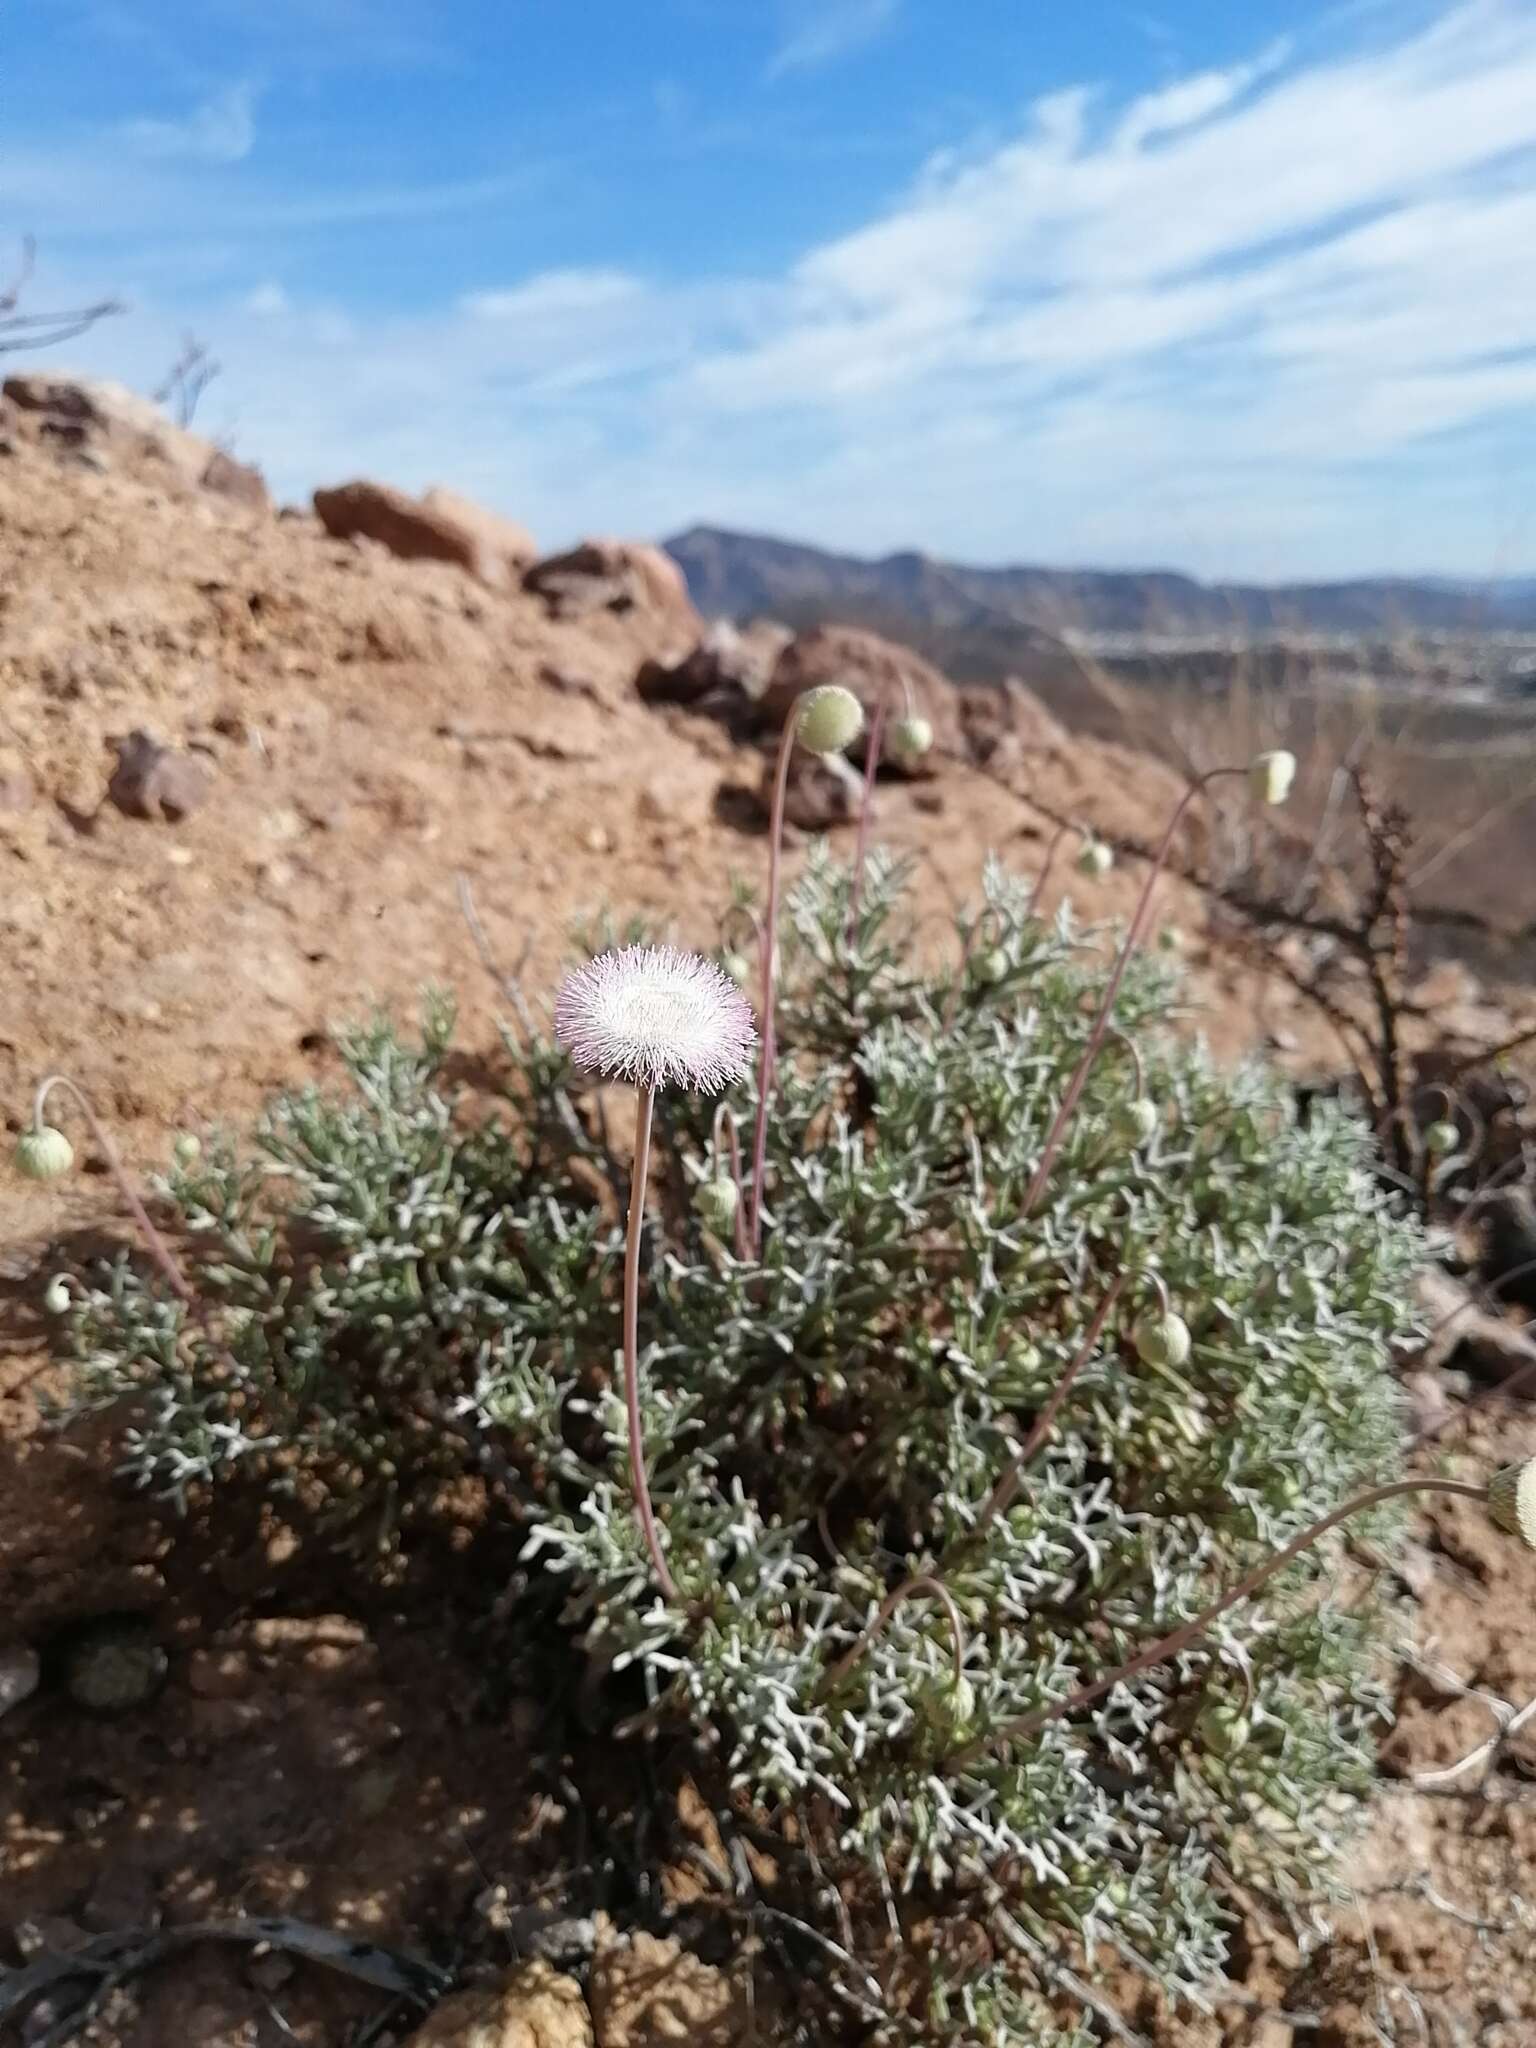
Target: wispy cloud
point(829, 30)
point(222, 130)
point(1270, 319)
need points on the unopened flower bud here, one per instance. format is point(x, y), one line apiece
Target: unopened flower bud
point(828, 719)
point(738, 967)
point(1095, 859)
point(959, 1705)
point(1441, 1137)
point(188, 1148)
point(1512, 1500)
point(1137, 1120)
point(1161, 1338)
point(910, 739)
point(716, 1202)
point(44, 1154)
point(1170, 939)
point(1270, 775)
point(992, 966)
point(56, 1296)
point(1223, 1728)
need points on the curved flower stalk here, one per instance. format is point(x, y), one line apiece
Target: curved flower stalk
point(1269, 776)
point(826, 720)
point(656, 1017)
point(44, 1146)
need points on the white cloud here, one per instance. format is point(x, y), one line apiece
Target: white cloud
point(220, 131)
point(1270, 320)
point(828, 30)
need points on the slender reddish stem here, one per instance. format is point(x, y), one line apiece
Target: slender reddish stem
point(644, 1114)
point(920, 1582)
point(1133, 938)
point(726, 1121)
point(770, 945)
point(1007, 1487)
point(1047, 864)
point(154, 1243)
point(1181, 1638)
point(866, 809)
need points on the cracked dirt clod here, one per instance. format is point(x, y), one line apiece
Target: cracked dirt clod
point(532, 2008)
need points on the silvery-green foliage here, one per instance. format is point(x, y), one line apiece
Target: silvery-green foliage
point(828, 1421)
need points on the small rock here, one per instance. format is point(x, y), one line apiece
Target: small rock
point(241, 481)
point(727, 661)
point(531, 2008)
point(616, 575)
point(647, 1992)
point(823, 790)
point(19, 1674)
point(437, 528)
point(598, 839)
point(155, 781)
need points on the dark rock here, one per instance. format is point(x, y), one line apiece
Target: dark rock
point(154, 781)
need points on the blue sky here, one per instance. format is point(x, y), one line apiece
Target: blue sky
point(1245, 289)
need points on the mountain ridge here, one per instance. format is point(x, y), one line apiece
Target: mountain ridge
point(974, 614)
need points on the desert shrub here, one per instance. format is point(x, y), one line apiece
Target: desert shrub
point(391, 1272)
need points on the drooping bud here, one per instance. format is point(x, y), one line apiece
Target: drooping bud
point(1095, 859)
point(56, 1296)
point(1270, 775)
point(188, 1148)
point(716, 1202)
point(991, 966)
point(1135, 1121)
point(1161, 1338)
point(1223, 1728)
point(959, 1705)
point(828, 719)
point(1441, 1137)
point(910, 739)
point(1512, 1500)
point(44, 1154)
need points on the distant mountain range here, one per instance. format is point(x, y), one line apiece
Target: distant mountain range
point(988, 622)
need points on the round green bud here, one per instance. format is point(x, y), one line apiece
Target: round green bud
point(1270, 775)
point(1095, 859)
point(1170, 939)
point(1223, 1728)
point(738, 967)
point(56, 1296)
point(1137, 1120)
point(1512, 1500)
point(828, 719)
point(959, 1705)
point(991, 966)
point(1441, 1137)
point(716, 1202)
point(44, 1154)
point(1162, 1338)
point(910, 739)
point(188, 1148)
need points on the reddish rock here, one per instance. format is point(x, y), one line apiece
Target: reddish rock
point(437, 528)
point(241, 481)
point(734, 661)
point(616, 575)
point(872, 668)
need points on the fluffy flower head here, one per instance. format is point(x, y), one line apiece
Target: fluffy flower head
point(656, 1016)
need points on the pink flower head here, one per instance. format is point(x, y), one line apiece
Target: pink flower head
point(658, 1017)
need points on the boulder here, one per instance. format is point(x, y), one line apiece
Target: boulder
point(1006, 721)
point(872, 668)
point(617, 576)
point(502, 542)
point(440, 527)
point(732, 662)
